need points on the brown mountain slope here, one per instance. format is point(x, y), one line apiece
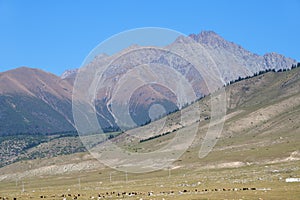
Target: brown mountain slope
point(34, 101)
point(33, 82)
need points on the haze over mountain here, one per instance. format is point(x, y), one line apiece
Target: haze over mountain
point(33, 101)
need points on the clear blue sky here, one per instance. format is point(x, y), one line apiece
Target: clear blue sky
point(56, 35)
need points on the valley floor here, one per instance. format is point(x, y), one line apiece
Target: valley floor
point(248, 182)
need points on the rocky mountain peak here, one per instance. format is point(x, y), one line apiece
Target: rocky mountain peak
point(277, 61)
point(232, 59)
point(69, 73)
point(211, 38)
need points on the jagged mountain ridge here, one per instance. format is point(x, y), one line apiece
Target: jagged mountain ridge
point(227, 55)
point(206, 60)
point(234, 61)
point(40, 102)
